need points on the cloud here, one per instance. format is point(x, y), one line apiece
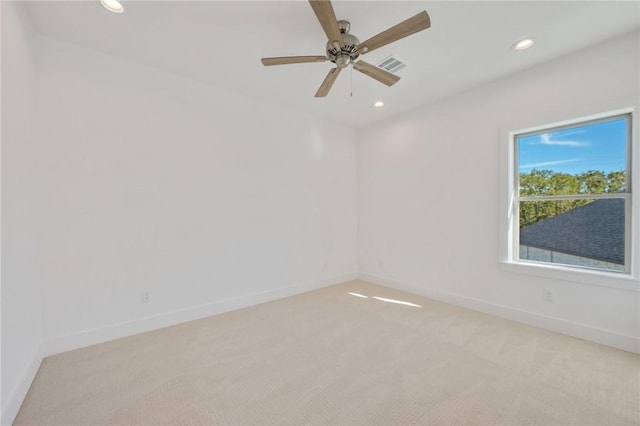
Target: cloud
point(549, 163)
point(569, 132)
point(546, 139)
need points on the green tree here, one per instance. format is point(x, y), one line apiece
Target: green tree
point(593, 182)
point(616, 181)
point(548, 182)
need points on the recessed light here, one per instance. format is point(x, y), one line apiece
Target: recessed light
point(523, 44)
point(379, 104)
point(112, 5)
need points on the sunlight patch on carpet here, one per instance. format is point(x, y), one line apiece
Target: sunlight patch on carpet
point(399, 302)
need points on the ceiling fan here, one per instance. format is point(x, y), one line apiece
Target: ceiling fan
point(343, 48)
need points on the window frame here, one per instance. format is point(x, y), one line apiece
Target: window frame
point(605, 196)
point(510, 198)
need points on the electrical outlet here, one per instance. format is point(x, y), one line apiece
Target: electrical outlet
point(325, 265)
point(381, 264)
point(547, 295)
point(146, 296)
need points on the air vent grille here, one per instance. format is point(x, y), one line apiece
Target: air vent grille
point(391, 64)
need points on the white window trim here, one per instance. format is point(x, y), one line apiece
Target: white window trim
point(508, 224)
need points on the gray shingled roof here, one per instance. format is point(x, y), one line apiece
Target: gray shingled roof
point(595, 230)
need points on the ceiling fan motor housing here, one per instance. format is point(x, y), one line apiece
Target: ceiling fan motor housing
point(344, 56)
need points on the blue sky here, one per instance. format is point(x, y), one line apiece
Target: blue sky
point(600, 146)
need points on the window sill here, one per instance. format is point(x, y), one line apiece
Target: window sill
point(615, 280)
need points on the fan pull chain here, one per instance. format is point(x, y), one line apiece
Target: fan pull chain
point(351, 77)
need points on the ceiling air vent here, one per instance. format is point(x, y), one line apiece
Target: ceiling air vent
point(391, 64)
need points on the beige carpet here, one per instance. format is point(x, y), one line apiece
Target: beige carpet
point(329, 357)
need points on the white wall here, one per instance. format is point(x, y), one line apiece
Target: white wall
point(21, 299)
point(429, 194)
point(206, 199)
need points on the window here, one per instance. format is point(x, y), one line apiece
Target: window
point(572, 195)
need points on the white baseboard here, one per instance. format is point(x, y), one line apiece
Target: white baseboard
point(115, 331)
point(581, 331)
point(11, 404)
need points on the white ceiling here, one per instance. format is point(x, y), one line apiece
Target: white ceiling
point(221, 43)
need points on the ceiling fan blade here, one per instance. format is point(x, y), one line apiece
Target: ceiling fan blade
point(405, 28)
point(328, 82)
point(327, 17)
point(284, 60)
point(376, 73)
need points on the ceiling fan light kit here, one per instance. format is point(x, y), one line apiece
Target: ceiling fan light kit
point(343, 48)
